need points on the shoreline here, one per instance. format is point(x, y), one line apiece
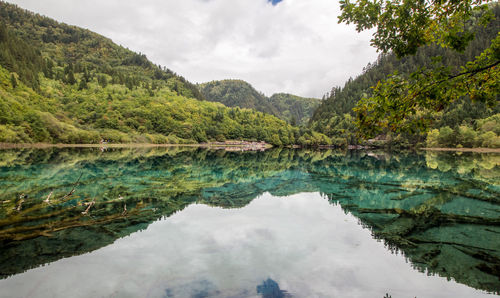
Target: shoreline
point(204, 145)
point(477, 150)
point(122, 145)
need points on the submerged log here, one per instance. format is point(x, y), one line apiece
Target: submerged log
point(47, 200)
point(89, 205)
point(74, 188)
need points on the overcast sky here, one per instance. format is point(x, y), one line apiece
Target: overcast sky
point(294, 46)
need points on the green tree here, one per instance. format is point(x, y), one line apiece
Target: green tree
point(432, 138)
point(13, 81)
point(83, 84)
point(101, 79)
point(47, 69)
point(405, 26)
point(70, 79)
point(446, 136)
point(467, 136)
point(86, 75)
point(489, 140)
point(275, 140)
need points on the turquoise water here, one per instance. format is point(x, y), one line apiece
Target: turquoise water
point(185, 222)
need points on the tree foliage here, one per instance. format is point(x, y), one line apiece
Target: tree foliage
point(483, 133)
point(401, 101)
point(428, 90)
point(20, 57)
point(404, 26)
point(87, 113)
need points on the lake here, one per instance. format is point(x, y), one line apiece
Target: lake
point(192, 222)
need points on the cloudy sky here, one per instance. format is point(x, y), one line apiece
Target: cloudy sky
point(293, 46)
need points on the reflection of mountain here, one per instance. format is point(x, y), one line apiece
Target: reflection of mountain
point(270, 289)
point(443, 218)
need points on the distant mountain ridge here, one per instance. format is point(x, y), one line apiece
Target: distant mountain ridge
point(238, 93)
point(295, 109)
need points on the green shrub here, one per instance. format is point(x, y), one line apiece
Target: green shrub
point(490, 124)
point(446, 137)
point(432, 138)
point(13, 134)
point(467, 136)
point(488, 140)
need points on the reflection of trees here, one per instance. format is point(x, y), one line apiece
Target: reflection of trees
point(122, 190)
point(440, 211)
point(484, 167)
point(444, 222)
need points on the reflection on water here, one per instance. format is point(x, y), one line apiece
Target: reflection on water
point(440, 210)
point(270, 289)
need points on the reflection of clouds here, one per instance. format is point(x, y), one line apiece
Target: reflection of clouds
point(306, 245)
point(198, 288)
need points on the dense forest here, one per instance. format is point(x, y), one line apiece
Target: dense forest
point(464, 123)
point(236, 93)
point(294, 109)
point(64, 84)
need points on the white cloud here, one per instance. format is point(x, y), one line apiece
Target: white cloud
point(296, 46)
point(308, 246)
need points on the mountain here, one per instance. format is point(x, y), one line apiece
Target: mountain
point(293, 108)
point(335, 116)
point(64, 84)
point(237, 93)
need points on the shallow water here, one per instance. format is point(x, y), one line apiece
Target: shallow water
point(171, 222)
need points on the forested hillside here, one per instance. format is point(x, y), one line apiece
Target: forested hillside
point(61, 83)
point(64, 84)
point(33, 43)
point(460, 120)
point(237, 93)
point(294, 109)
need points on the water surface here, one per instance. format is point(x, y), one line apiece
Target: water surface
point(171, 222)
